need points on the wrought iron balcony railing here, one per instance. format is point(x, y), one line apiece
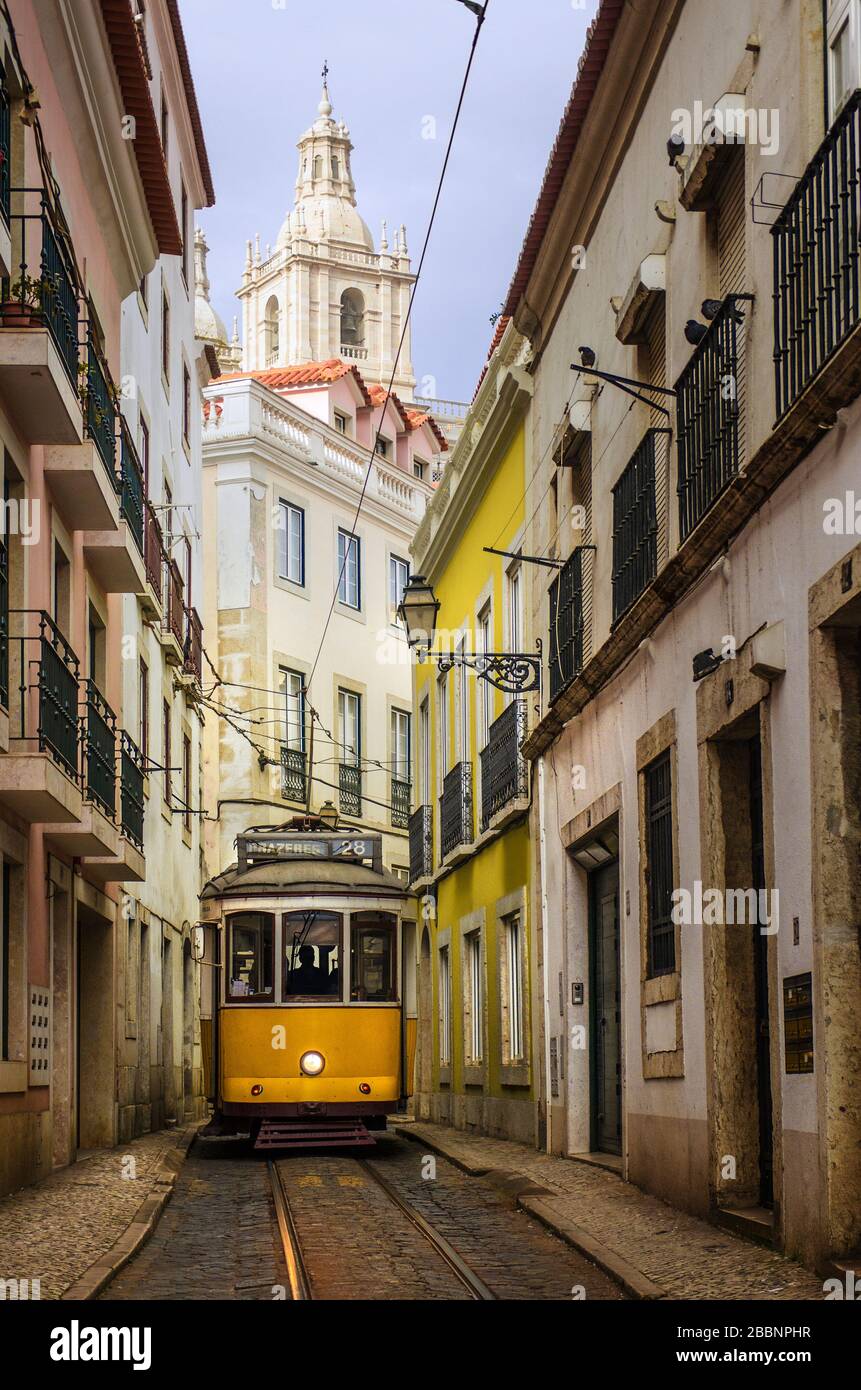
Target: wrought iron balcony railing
point(294, 786)
point(4, 626)
point(400, 803)
point(192, 662)
point(100, 409)
point(5, 148)
point(817, 279)
point(421, 843)
point(456, 808)
point(174, 609)
point(504, 774)
point(350, 783)
point(566, 624)
point(132, 487)
point(99, 749)
point(44, 288)
point(46, 697)
point(635, 527)
point(153, 549)
point(707, 417)
point(131, 791)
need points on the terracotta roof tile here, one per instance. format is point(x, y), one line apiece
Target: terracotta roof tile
point(306, 374)
point(191, 99)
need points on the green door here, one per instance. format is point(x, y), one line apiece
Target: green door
point(606, 1012)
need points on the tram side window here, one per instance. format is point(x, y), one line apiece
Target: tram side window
point(312, 957)
point(252, 958)
point(372, 960)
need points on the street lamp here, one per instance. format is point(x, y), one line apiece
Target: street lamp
point(328, 815)
point(513, 672)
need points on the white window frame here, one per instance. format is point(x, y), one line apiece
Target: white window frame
point(843, 13)
point(349, 569)
point(291, 565)
point(294, 709)
point(474, 1034)
point(513, 928)
point(424, 763)
point(445, 1006)
point(464, 749)
point(401, 744)
point(397, 565)
point(350, 712)
point(484, 690)
point(443, 728)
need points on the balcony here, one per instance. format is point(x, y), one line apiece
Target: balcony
point(401, 792)
point(39, 323)
point(5, 166)
point(421, 844)
point(817, 278)
point(293, 774)
point(350, 784)
point(635, 527)
point(566, 624)
point(192, 660)
point(40, 776)
point(116, 555)
point(95, 832)
point(4, 644)
point(456, 809)
point(127, 863)
point(504, 773)
point(707, 417)
point(151, 593)
point(172, 632)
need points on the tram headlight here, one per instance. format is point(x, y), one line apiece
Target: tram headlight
point(312, 1063)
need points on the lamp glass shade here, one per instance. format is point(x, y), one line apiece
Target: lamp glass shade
point(417, 611)
point(329, 815)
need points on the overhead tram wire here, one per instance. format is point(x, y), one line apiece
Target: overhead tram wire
point(479, 22)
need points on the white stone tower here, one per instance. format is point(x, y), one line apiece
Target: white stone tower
point(323, 291)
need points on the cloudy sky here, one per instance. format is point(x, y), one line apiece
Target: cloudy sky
point(392, 63)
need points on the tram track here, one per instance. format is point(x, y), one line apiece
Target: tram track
point(301, 1287)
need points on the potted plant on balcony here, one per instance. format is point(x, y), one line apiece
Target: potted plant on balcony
point(26, 301)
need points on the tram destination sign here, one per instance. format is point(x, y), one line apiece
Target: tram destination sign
point(302, 845)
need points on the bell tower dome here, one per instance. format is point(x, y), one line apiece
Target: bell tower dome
point(324, 291)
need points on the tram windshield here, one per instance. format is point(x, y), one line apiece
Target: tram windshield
point(252, 943)
point(312, 956)
point(372, 957)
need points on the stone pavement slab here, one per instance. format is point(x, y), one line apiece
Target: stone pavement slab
point(653, 1249)
point(59, 1229)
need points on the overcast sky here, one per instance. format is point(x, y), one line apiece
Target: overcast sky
point(392, 63)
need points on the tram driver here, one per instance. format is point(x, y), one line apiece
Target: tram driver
point(308, 978)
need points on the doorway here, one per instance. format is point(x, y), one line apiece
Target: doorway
point(761, 991)
point(606, 1010)
point(95, 1030)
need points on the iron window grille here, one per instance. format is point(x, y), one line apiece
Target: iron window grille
point(707, 414)
point(421, 843)
point(350, 786)
point(131, 791)
point(817, 295)
point(5, 148)
point(100, 410)
point(293, 774)
point(4, 625)
point(660, 938)
point(566, 624)
point(132, 487)
point(100, 749)
point(44, 287)
point(400, 803)
point(635, 527)
point(56, 672)
point(456, 808)
point(504, 774)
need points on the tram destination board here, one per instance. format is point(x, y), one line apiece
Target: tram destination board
point(302, 845)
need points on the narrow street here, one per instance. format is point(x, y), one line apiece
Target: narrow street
point(219, 1236)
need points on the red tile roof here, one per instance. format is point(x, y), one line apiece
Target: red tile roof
point(308, 374)
point(191, 99)
point(412, 419)
point(589, 69)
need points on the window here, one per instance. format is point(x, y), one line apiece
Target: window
point(165, 337)
point(350, 726)
point(372, 957)
point(186, 569)
point(312, 956)
point(165, 717)
point(349, 570)
point(842, 54)
point(442, 705)
point(342, 422)
point(186, 405)
point(291, 543)
point(515, 610)
point(384, 447)
point(293, 685)
point(484, 690)
point(424, 753)
point(399, 574)
point(475, 1030)
point(186, 781)
point(420, 468)
point(5, 958)
point(401, 745)
point(143, 709)
point(660, 943)
point(183, 229)
point(145, 453)
point(143, 290)
point(444, 1007)
point(95, 648)
point(318, 166)
point(62, 611)
point(252, 956)
point(463, 702)
point(272, 330)
point(336, 167)
point(164, 127)
point(514, 986)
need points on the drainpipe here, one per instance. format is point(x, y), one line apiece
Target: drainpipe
point(544, 952)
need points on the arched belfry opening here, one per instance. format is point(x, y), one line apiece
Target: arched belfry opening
point(272, 324)
point(352, 318)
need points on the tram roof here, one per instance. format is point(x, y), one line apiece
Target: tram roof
point(317, 876)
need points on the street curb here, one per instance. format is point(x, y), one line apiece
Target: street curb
point(635, 1283)
point(96, 1278)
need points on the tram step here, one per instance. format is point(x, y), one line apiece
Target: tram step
point(304, 1134)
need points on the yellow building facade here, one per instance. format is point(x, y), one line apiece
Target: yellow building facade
point(470, 854)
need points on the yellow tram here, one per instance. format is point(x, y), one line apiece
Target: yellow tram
point(309, 1037)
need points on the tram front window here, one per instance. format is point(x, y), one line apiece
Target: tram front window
point(372, 960)
point(312, 957)
point(252, 944)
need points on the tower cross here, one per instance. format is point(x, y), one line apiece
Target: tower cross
point(325, 71)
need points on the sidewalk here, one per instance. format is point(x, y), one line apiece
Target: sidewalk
point(73, 1230)
point(652, 1249)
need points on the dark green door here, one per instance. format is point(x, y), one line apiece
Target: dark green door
point(606, 1012)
